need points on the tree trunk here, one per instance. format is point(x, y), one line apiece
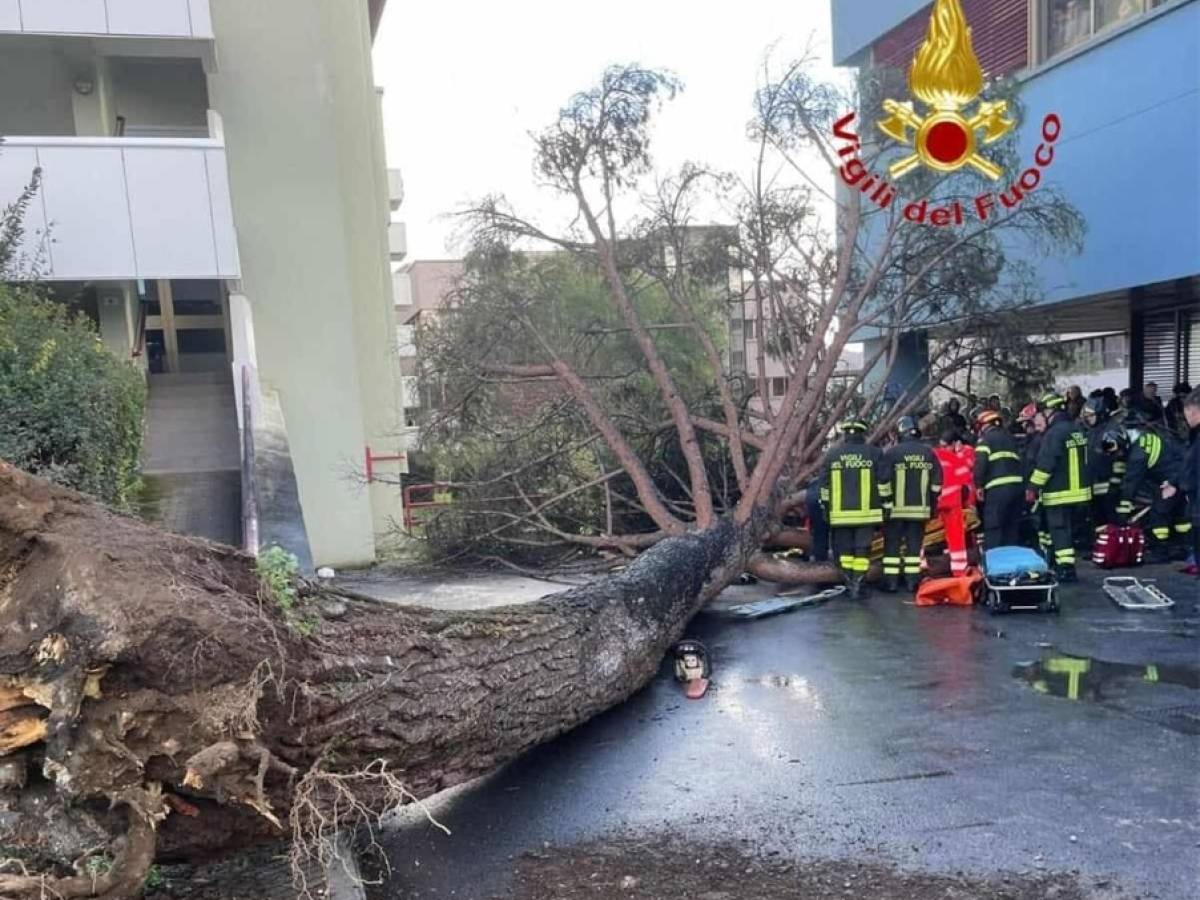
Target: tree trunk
point(150, 692)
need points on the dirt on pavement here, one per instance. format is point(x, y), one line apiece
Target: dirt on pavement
point(674, 869)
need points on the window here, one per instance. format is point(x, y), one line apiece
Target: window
point(778, 387)
point(737, 361)
point(1069, 23)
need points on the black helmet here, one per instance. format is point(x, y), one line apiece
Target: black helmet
point(853, 425)
point(1134, 418)
point(1097, 409)
point(1115, 440)
point(907, 427)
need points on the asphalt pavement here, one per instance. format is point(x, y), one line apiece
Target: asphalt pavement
point(945, 739)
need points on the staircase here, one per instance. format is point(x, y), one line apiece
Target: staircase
point(191, 462)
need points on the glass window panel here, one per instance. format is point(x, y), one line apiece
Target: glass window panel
point(1110, 12)
point(201, 340)
point(196, 298)
point(1069, 22)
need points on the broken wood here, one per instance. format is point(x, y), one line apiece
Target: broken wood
point(159, 697)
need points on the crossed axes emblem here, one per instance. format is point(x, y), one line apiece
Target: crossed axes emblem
point(954, 136)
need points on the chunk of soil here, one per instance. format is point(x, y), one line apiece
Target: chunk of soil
point(670, 869)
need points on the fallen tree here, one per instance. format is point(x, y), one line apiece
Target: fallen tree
point(618, 443)
point(156, 703)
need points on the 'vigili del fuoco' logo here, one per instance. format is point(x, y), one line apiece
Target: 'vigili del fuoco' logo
point(948, 134)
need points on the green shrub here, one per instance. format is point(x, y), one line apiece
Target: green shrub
point(277, 570)
point(69, 410)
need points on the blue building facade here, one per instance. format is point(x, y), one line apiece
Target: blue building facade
point(1124, 76)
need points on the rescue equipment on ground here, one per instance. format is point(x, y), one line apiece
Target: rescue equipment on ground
point(1131, 593)
point(692, 668)
point(956, 590)
point(1018, 578)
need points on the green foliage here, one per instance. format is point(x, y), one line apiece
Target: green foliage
point(69, 410)
point(155, 878)
point(507, 309)
point(277, 571)
point(100, 864)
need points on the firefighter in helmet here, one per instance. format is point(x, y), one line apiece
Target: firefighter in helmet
point(998, 480)
point(854, 485)
point(1061, 481)
point(1104, 491)
point(916, 482)
point(1154, 470)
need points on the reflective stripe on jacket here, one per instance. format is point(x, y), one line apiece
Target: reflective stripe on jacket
point(852, 483)
point(997, 461)
point(1100, 464)
point(1061, 469)
point(916, 480)
point(1152, 461)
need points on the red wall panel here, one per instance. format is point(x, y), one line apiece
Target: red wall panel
point(999, 33)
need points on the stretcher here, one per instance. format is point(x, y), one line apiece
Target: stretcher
point(1018, 578)
point(1132, 593)
point(783, 603)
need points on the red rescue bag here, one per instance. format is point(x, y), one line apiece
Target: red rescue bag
point(1118, 546)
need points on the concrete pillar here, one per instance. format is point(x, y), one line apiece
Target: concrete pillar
point(909, 371)
point(93, 111)
point(116, 308)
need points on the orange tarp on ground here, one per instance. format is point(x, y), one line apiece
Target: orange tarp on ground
point(952, 591)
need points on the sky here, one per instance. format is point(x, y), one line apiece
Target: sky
point(465, 81)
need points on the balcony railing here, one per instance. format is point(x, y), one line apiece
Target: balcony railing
point(125, 208)
point(115, 18)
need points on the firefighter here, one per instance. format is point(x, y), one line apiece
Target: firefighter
point(1032, 422)
point(1104, 493)
point(1061, 482)
point(915, 477)
point(1155, 470)
point(957, 460)
point(998, 481)
point(853, 488)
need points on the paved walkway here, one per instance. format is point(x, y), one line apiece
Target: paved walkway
point(932, 738)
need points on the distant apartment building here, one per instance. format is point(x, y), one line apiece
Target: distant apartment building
point(1119, 74)
point(749, 339)
point(424, 286)
point(215, 194)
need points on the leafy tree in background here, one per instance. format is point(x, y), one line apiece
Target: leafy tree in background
point(481, 428)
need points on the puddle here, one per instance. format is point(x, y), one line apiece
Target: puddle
point(1118, 686)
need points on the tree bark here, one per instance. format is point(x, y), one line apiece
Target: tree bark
point(154, 693)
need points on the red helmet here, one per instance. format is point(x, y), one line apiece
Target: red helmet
point(985, 418)
point(1028, 411)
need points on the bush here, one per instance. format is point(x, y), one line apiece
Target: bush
point(69, 410)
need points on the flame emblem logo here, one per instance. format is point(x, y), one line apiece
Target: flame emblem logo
point(946, 76)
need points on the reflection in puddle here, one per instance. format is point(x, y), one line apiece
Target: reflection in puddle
point(1082, 678)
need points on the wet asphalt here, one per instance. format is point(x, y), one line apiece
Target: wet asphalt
point(943, 739)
